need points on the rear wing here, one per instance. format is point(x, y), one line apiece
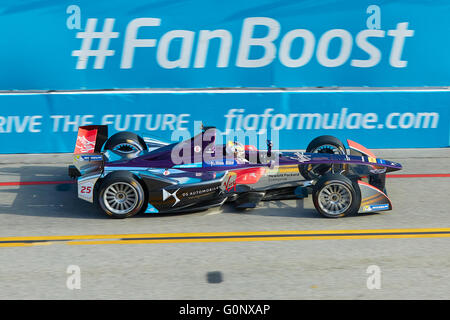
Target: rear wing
point(90, 139)
point(87, 154)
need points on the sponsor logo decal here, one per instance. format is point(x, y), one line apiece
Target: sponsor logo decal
point(90, 158)
point(84, 145)
point(228, 162)
point(301, 157)
point(189, 165)
point(229, 182)
point(378, 171)
point(283, 176)
point(283, 173)
point(376, 207)
point(85, 141)
point(200, 191)
point(167, 195)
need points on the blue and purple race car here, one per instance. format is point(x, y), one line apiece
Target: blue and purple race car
point(127, 174)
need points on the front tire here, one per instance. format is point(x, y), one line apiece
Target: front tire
point(336, 196)
point(322, 144)
point(120, 195)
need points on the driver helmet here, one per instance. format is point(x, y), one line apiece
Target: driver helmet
point(236, 149)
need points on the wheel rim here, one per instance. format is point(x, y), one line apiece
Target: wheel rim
point(128, 148)
point(120, 198)
point(335, 199)
point(327, 148)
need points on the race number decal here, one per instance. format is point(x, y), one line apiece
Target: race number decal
point(86, 190)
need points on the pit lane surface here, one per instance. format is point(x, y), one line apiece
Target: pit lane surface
point(122, 259)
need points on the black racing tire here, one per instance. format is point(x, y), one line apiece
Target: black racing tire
point(121, 195)
point(125, 143)
point(322, 144)
point(335, 196)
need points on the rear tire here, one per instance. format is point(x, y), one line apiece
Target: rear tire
point(335, 196)
point(322, 144)
point(125, 143)
point(120, 195)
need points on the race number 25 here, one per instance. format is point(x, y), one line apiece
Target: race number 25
point(85, 189)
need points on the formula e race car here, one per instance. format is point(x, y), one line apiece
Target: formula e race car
point(127, 174)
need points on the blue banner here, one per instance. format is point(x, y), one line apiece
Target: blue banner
point(48, 122)
point(105, 44)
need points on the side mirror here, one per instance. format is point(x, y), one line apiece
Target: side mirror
point(269, 148)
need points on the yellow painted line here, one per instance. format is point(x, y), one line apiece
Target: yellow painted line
point(392, 236)
point(25, 244)
point(206, 234)
point(41, 243)
point(200, 234)
point(228, 236)
point(16, 244)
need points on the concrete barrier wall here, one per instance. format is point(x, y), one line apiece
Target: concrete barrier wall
point(103, 44)
point(71, 48)
point(34, 123)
